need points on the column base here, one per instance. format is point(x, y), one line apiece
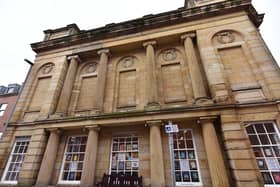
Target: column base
point(203, 101)
point(57, 115)
point(152, 106)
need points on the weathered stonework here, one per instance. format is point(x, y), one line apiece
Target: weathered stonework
point(204, 68)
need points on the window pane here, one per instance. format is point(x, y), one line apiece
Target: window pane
point(250, 130)
point(254, 140)
point(259, 128)
point(269, 127)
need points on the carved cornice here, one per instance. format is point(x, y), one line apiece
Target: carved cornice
point(180, 15)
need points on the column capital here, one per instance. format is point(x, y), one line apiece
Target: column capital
point(188, 35)
point(206, 119)
point(93, 128)
point(150, 42)
point(105, 51)
point(74, 57)
point(54, 130)
point(154, 123)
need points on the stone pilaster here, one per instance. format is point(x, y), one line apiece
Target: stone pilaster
point(196, 73)
point(239, 152)
point(151, 88)
point(156, 155)
point(216, 162)
point(101, 80)
point(89, 167)
point(66, 91)
point(48, 162)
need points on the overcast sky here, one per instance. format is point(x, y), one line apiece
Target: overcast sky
point(23, 22)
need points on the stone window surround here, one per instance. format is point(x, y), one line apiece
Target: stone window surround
point(200, 183)
point(60, 181)
point(125, 151)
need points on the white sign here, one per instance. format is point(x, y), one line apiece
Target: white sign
point(171, 128)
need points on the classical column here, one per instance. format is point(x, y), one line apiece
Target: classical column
point(151, 88)
point(156, 155)
point(89, 168)
point(214, 154)
point(101, 80)
point(48, 162)
point(66, 91)
point(195, 71)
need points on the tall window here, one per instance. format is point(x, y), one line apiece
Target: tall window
point(73, 160)
point(124, 156)
point(15, 160)
point(3, 107)
point(264, 138)
point(185, 159)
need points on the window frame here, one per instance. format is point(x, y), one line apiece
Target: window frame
point(74, 182)
point(111, 151)
point(17, 139)
point(200, 183)
point(262, 146)
point(3, 110)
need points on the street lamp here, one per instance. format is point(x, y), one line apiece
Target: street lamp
point(171, 129)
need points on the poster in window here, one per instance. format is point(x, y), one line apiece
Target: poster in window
point(121, 156)
point(68, 157)
point(178, 176)
point(114, 164)
point(191, 154)
point(115, 147)
point(261, 164)
point(128, 156)
point(128, 147)
point(194, 176)
point(177, 165)
point(134, 146)
point(73, 166)
point(72, 176)
point(121, 165)
point(114, 156)
point(267, 178)
point(193, 165)
point(128, 165)
point(134, 165)
point(176, 155)
point(277, 150)
point(134, 156)
point(276, 176)
point(75, 158)
point(121, 147)
point(183, 155)
point(268, 152)
point(272, 164)
point(184, 165)
point(186, 176)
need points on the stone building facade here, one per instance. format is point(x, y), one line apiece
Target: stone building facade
point(8, 98)
point(96, 101)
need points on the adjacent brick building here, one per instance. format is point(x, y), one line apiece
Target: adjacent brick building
point(96, 101)
point(8, 97)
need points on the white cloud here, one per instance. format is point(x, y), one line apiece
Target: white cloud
point(22, 23)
